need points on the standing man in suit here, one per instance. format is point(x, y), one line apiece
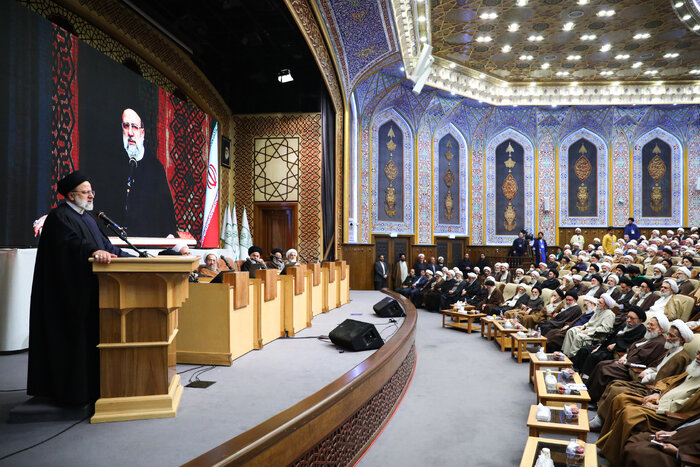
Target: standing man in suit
point(381, 272)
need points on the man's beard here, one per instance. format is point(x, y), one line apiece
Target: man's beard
point(693, 369)
point(671, 345)
point(665, 294)
point(83, 204)
point(134, 151)
point(212, 268)
point(651, 334)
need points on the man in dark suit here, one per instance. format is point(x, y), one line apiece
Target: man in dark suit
point(380, 273)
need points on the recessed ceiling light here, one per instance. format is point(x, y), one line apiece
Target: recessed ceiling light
point(545, 66)
point(695, 71)
point(671, 55)
point(526, 57)
point(588, 37)
point(651, 72)
point(533, 84)
point(484, 39)
point(641, 35)
point(512, 27)
point(452, 93)
point(606, 13)
point(452, 65)
point(535, 38)
point(574, 83)
point(568, 26)
point(686, 17)
point(562, 73)
point(554, 106)
point(678, 4)
point(521, 2)
point(489, 15)
point(583, 2)
point(573, 57)
point(606, 72)
point(421, 19)
point(637, 64)
point(401, 68)
point(605, 47)
point(696, 27)
point(615, 83)
point(506, 48)
point(423, 39)
point(622, 56)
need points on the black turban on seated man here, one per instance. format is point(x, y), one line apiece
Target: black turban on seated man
point(63, 322)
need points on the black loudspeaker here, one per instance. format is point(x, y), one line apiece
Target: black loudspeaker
point(356, 335)
point(389, 308)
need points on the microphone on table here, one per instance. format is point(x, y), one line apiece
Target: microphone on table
point(110, 223)
point(226, 262)
point(302, 257)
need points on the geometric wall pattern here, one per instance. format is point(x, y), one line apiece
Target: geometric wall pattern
point(276, 169)
point(306, 129)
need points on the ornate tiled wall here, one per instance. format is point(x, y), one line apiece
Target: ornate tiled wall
point(304, 128)
point(693, 207)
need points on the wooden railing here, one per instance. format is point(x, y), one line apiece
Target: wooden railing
point(337, 424)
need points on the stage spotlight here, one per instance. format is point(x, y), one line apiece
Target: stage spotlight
point(284, 76)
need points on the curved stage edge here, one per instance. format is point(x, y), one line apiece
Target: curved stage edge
point(337, 424)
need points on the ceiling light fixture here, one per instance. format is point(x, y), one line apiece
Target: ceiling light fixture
point(562, 73)
point(606, 13)
point(637, 64)
point(588, 37)
point(423, 39)
point(535, 38)
point(606, 72)
point(421, 19)
point(526, 57)
point(686, 17)
point(521, 2)
point(622, 56)
point(605, 48)
point(696, 27)
point(545, 66)
point(284, 76)
point(671, 55)
point(678, 5)
point(484, 39)
point(489, 15)
point(583, 2)
point(452, 65)
point(573, 57)
point(506, 48)
point(512, 27)
point(641, 35)
point(568, 26)
point(651, 72)
point(695, 71)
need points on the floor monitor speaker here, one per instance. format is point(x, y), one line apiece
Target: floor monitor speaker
point(389, 308)
point(356, 335)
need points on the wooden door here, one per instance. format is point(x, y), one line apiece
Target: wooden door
point(276, 226)
point(452, 249)
point(391, 248)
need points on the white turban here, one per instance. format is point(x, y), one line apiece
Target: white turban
point(672, 283)
point(577, 230)
point(505, 265)
point(486, 268)
point(429, 272)
point(524, 287)
point(614, 278)
point(590, 298)
point(439, 273)
point(497, 265)
point(519, 270)
point(663, 321)
point(577, 277)
point(685, 271)
point(535, 273)
point(661, 268)
point(459, 273)
point(632, 252)
point(609, 301)
point(471, 275)
point(683, 329)
point(450, 273)
point(290, 251)
point(421, 255)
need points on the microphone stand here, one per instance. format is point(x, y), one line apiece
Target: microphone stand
point(142, 254)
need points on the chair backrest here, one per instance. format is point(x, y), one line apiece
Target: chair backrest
point(500, 286)
point(509, 291)
point(526, 279)
point(695, 283)
point(546, 295)
point(579, 302)
point(684, 305)
point(693, 346)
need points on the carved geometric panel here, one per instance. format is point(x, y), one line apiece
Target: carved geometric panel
point(276, 169)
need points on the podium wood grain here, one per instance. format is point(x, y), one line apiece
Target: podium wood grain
point(139, 301)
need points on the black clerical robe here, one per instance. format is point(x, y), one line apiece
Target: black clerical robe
point(63, 322)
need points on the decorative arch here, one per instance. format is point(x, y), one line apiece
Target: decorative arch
point(492, 238)
point(404, 225)
point(676, 188)
point(567, 218)
point(460, 228)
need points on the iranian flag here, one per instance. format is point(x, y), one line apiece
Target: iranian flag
point(210, 228)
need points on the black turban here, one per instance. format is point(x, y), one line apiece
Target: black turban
point(70, 181)
point(254, 249)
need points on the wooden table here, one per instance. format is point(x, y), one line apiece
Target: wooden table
point(537, 364)
point(487, 329)
point(557, 399)
point(459, 318)
point(518, 346)
point(558, 451)
point(501, 334)
point(559, 424)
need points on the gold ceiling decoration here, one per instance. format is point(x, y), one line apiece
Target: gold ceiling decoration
point(510, 189)
point(582, 169)
point(554, 52)
point(656, 169)
point(391, 172)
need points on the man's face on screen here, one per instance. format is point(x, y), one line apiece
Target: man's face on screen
point(132, 133)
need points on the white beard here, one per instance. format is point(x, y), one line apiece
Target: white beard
point(650, 335)
point(665, 294)
point(83, 204)
point(693, 369)
point(136, 151)
point(671, 345)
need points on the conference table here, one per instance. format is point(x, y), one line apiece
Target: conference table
point(559, 424)
point(555, 397)
point(557, 448)
point(459, 318)
point(549, 362)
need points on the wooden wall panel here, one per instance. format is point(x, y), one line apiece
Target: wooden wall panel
point(361, 258)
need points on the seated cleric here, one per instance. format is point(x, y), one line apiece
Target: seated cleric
point(63, 323)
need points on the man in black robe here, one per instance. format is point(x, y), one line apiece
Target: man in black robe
point(63, 323)
point(254, 261)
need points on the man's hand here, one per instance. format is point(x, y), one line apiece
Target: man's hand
point(622, 360)
point(38, 225)
point(653, 398)
point(610, 347)
point(103, 257)
point(669, 448)
point(663, 434)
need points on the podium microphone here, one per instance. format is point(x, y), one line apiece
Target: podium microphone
point(226, 262)
point(110, 222)
point(302, 257)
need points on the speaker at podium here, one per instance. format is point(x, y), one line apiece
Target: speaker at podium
point(356, 335)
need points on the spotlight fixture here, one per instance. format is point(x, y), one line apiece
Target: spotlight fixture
point(678, 4)
point(573, 57)
point(545, 66)
point(568, 26)
point(526, 57)
point(605, 48)
point(489, 15)
point(521, 2)
point(637, 64)
point(512, 27)
point(606, 72)
point(641, 35)
point(284, 76)
point(606, 13)
point(622, 57)
point(671, 55)
point(506, 48)
point(588, 37)
point(535, 38)
point(562, 73)
point(484, 39)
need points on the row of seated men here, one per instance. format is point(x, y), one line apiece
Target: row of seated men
point(214, 264)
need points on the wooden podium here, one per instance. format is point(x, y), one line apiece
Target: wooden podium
point(139, 300)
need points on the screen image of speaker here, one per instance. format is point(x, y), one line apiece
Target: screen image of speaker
point(388, 308)
point(356, 335)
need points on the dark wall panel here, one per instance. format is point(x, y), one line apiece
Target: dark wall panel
point(390, 173)
point(583, 179)
point(510, 183)
point(656, 179)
